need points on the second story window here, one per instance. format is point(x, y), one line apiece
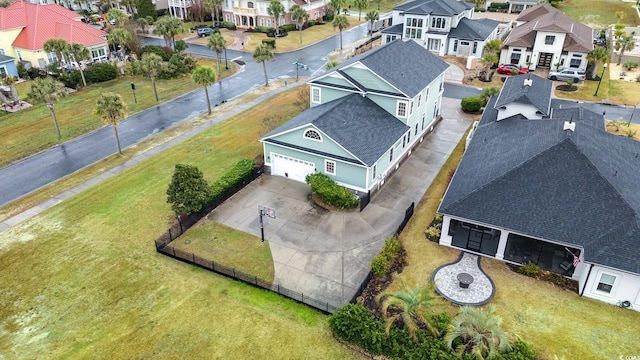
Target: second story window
point(315, 95)
point(250, 5)
point(312, 134)
point(549, 39)
point(413, 28)
point(438, 22)
point(401, 110)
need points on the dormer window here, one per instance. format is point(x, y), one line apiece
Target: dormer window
point(312, 135)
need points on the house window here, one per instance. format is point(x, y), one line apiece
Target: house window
point(19, 55)
point(250, 5)
point(413, 28)
point(268, 22)
point(419, 99)
point(374, 172)
point(455, 45)
point(606, 283)
point(409, 137)
point(401, 110)
point(1, 51)
point(439, 22)
point(313, 135)
point(3, 71)
point(434, 44)
point(261, 21)
point(391, 155)
point(226, 17)
point(410, 108)
point(330, 167)
point(416, 132)
point(404, 141)
point(51, 57)
point(426, 93)
point(390, 38)
point(226, 4)
point(475, 47)
point(98, 54)
point(549, 39)
point(576, 61)
point(315, 95)
point(515, 58)
point(424, 115)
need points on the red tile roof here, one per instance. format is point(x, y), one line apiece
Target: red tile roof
point(40, 23)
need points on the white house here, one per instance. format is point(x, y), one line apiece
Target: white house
point(542, 184)
point(445, 27)
point(366, 117)
point(545, 37)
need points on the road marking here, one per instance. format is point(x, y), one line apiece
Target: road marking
point(234, 59)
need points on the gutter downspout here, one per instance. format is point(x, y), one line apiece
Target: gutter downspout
point(587, 279)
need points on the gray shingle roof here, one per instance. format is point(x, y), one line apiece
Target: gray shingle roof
point(433, 7)
point(469, 29)
point(533, 177)
point(515, 90)
point(395, 29)
point(405, 64)
point(355, 122)
point(5, 58)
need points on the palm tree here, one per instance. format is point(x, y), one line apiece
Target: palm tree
point(143, 23)
point(48, 91)
point(341, 22)
point(360, 4)
point(276, 9)
point(204, 76)
point(489, 92)
point(120, 37)
point(300, 16)
point(372, 16)
point(217, 43)
point(213, 5)
point(490, 57)
point(111, 109)
point(599, 54)
point(336, 5)
point(262, 53)
point(168, 27)
point(151, 64)
point(413, 305)
point(478, 331)
point(116, 15)
point(59, 46)
point(620, 15)
point(624, 43)
point(77, 52)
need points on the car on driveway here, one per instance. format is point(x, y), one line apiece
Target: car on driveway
point(512, 70)
point(205, 31)
point(565, 74)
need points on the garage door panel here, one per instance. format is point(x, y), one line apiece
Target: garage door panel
point(290, 167)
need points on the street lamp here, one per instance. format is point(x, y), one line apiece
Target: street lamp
point(604, 67)
point(226, 63)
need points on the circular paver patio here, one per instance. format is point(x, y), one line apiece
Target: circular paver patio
point(479, 292)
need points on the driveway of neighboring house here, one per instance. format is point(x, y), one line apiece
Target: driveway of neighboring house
point(326, 254)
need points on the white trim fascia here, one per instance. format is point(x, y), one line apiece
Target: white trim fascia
point(327, 157)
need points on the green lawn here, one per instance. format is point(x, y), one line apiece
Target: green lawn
point(599, 13)
point(617, 91)
point(83, 280)
point(27, 132)
point(554, 321)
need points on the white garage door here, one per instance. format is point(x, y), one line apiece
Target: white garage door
point(292, 168)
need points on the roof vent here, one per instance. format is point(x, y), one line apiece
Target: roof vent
point(569, 125)
point(528, 82)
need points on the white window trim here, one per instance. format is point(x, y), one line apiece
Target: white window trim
point(599, 280)
point(304, 135)
point(406, 105)
point(313, 89)
point(327, 162)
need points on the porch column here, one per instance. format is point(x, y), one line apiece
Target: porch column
point(502, 244)
point(445, 239)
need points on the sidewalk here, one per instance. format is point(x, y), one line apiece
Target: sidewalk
point(54, 200)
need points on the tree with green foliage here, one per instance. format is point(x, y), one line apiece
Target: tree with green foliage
point(372, 16)
point(142, 23)
point(488, 92)
point(624, 43)
point(111, 109)
point(204, 76)
point(146, 9)
point(168, 27)
point(58, 46)
point(341, 22)
point(336, 5)
point(276, 10)
point(478, 333)
point(181, 46)
point(10, 81)
point(490, 57)
point(412, 306)
point(619, 30)
point(48, 91)
point(78, 53)
point(116, 15)
point(620, 15)
point(261, 54)
point(597, 55)
point(188, 191)
point(151, 65)
point(360, 4)
point(217, 43)
point(120, 37)
point(213, 6)
point(300, 16)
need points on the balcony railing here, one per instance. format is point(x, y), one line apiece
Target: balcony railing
point(245, 11)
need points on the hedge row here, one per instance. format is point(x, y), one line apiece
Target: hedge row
point(381, 262)
point(234, 179)
point(330, 192)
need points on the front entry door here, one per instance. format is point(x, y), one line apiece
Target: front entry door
point(545, 59)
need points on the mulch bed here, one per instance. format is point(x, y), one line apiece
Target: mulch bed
point(553, 278)
point(380, 284)
point(566, 88)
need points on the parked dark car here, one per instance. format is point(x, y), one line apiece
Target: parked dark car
point(205, 31)
point(512, 70)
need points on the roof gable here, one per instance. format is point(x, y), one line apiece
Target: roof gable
point(433, 7)
point(526, 89)
point(469, 29)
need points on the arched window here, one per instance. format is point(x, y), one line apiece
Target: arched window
point(313, 135)
point(250, 5)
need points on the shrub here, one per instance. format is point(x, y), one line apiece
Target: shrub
point(630, 65)
point(330, 192)
point(232, 180)
point(356, 324)
point(433, 233)
point(529, 269)
point(188, 191)
point(380, 263)
point(163, 52)
point(23, 73)
point(471, 103)
point(555, 278)
point(310, 23)
point(499, 6)
point(99, 72)
point(288, 27)
point(270, 42)
point(228, 25)
point(263, 29)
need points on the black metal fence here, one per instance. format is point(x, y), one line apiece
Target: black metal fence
point(407, 215)
point(365, 199)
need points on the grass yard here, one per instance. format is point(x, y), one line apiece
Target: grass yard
point(83, 280)
point(230, 247)
point(30, 131)
point(554, 321)
point(617, 91)
point(598, 14)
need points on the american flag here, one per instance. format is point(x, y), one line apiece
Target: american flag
point(576, 260)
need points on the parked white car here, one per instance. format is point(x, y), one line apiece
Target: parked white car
point(565, 74)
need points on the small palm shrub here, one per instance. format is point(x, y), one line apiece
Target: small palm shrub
point(529, 269)
point(477, 332)
point(472, 103)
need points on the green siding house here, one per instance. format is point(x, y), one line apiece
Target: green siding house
point(366, 116)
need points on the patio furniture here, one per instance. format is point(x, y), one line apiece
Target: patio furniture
point(465, 280)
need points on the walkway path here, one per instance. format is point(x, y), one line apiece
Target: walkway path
point(479, 292)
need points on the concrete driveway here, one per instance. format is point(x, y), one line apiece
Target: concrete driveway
point(326, 255)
